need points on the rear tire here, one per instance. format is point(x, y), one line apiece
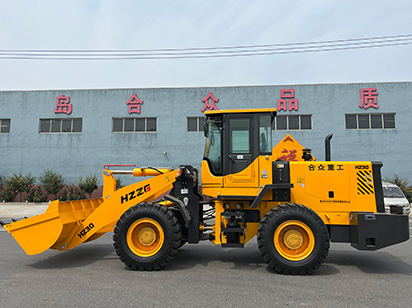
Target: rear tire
point(293, 239)
point(147, 237)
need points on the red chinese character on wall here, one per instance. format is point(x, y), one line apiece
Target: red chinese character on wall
point(63, 105)
point(134, 104)
point(369, 98)
point(287, 100)
point(212, 105)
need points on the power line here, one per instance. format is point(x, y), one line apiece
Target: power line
point(208, 52)
point(193, 56)
point(392, 37)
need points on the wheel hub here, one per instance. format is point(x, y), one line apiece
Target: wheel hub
point(147, 236)
point(293, 239)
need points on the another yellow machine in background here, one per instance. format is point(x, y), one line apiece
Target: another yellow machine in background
point(294, 208)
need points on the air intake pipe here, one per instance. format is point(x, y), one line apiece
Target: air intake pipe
point(327, 147)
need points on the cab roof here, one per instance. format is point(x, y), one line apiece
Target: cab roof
point(226, 111)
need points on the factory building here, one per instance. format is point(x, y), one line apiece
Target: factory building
point(76, 132)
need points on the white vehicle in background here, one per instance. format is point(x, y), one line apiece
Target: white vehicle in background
point(394, 198)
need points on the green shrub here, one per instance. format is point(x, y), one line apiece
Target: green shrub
point(71, 192)
point(18, 183)
point(52, 182)
point(36, 194)
point(403, 185)
point(88, 184)
point(6, 194)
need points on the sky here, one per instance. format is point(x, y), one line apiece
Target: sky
point(97, 25)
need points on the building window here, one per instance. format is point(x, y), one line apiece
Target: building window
point(293, 122)
point(371, 121)
point(61, 125)
point(4, 126)
point(133, 125)
point(195, 124)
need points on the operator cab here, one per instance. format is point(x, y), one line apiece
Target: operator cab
point(235, 138)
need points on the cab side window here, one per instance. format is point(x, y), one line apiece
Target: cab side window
point(265, 134)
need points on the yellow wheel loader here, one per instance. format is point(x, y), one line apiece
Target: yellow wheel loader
point(295, 209)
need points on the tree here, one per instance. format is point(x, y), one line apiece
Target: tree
point(52, 182)
point(88, 184)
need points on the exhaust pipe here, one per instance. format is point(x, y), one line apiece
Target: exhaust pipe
point(327, 147)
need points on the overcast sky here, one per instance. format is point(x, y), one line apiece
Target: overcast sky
point(200, 23)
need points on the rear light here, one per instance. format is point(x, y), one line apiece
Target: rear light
point(179, 171)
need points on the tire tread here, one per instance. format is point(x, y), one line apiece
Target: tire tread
point(138, 263)
point(264, 231)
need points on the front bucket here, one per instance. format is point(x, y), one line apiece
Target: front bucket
point(58, 224)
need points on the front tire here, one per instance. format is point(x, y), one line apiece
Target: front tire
point(147, 237)
point(293, 239)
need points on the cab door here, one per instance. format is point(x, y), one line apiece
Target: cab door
point(238, 151)
point(240, 143)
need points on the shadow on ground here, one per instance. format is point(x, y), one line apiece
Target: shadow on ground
point(245, 259)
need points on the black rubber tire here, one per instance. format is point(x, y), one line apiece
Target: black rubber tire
point(169, 226)
point(293, 212)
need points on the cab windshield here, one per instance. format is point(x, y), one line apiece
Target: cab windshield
point(213, 145)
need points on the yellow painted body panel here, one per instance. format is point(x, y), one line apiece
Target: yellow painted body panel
point(247, 182)
point(313, 182)
point(208, 179)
